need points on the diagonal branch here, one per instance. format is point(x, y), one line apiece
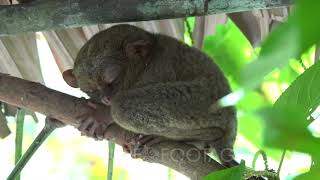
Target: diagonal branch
point(33, 96)
point(47, 15)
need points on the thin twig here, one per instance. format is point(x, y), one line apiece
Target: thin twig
point(264, 157)
point(281, 162)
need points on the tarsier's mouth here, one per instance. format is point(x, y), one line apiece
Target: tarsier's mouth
point(106, 100)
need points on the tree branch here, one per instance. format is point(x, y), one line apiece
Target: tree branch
point(33, 96)
point(47, 15)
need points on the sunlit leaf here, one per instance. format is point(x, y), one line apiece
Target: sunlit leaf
point(229, 48)
point(304, 91)
point(234, 173)
point(287, 75)
point(290, 40)
point(251, 128)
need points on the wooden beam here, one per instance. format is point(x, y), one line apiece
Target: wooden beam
point(47, 15)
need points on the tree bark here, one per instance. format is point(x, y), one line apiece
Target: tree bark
point(33, 96)
point(47, 15)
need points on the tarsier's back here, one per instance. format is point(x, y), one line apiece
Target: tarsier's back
point(158, 86)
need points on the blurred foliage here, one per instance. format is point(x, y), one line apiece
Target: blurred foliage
point(287, 41)
point(189, 27)
point(229, 48)
point(270, 75)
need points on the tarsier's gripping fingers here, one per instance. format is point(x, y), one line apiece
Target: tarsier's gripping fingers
point(94, 123)
point(140, 142)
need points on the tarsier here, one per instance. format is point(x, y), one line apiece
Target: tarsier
point(155, 86)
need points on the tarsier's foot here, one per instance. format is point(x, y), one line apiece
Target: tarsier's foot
point(95, 123)
point(140, 142)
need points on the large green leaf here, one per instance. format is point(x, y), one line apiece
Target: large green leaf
point(234, 173)
point(304, 91)
point(286, 127)
point(290, 40)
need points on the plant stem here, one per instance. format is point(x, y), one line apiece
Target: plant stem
point(110, 160)
point(19, 136)
point(281, 162)
point(42, 136)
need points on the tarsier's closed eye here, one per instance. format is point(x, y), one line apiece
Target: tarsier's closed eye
point(111, 72)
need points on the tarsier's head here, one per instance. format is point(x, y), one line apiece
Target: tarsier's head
point(103, 64)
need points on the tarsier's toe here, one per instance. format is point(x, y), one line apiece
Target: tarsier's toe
point(99, 133)
point(139, 143)
point(91, 128)
point(126, 148)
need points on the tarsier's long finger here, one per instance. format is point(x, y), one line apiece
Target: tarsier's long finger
point(93, 129)
point(92, 104)
point(82, 118)
point(85, 124)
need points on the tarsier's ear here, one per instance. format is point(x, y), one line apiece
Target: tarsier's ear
point(111, 72)
point(70, 79)
point(138, 48)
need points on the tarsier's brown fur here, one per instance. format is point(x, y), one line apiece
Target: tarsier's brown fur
point(164, 87)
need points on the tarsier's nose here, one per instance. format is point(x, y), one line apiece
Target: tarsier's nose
point(106, 100)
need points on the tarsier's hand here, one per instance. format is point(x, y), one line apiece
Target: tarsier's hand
point(95, 122)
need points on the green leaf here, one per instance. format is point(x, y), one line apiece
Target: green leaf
point(234, 173)
point(286, 127)
point(191, 21)
point(311, 175)
point(188, 29)
point(229, 48)
point(304, 91)
point(290, 40)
